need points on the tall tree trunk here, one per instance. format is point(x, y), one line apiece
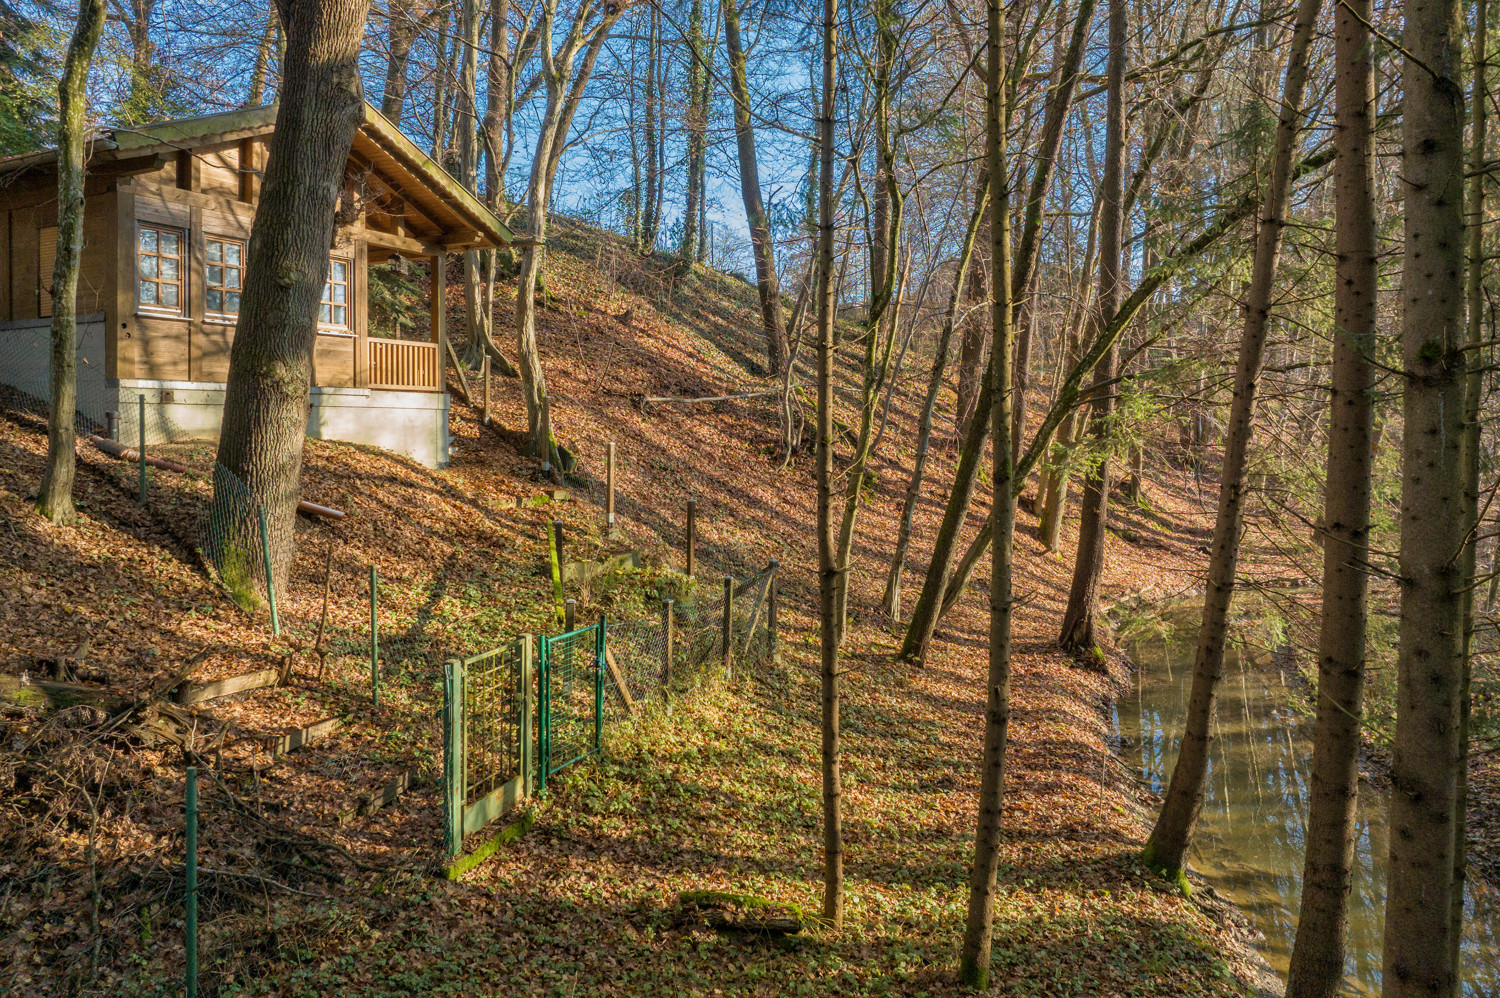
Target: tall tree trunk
point(891, 601)
point(1167, 846)
point(270, 364)
point(833, 789)
point(255, 95)
point(761, 242)
point(1473, 429)
point(401, 33)
point(1418, 955)
point(650, 217)
point(470, 24)
point(55, 497)
point(971, 354)
point(440, 92)
point(1317, 966)
point(974, 967)
point(1083, 596)
point(697, 127)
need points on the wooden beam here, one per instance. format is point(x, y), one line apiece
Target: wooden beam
point(306, 737)
point(378, 798)
point(405, 245)
point(620, 684)
point(199, 692)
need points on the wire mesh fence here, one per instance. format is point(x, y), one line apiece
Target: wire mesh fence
point(572, 697)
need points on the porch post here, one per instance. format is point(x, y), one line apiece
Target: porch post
point(438, 301)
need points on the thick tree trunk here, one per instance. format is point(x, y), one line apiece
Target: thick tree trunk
point(891, 601)
point(1083, 597)
point(974, 966)
point(1418, 954)
point(402, 32)
point(1167, 846)
point(55, 497)
point(270, 364)
point(697, 127)
point(761, 243)
point(833, 790)
point(1317, 966)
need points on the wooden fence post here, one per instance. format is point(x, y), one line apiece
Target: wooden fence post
point(609, 477)
point(570, 614)
point(485, 374)
point(727, 628)
point(453, 757)
point(692, 525)
point(546, 435)
point(771, 610)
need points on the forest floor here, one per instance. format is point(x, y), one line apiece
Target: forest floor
point(722, 793)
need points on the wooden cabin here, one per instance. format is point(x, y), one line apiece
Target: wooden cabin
point(167, 220)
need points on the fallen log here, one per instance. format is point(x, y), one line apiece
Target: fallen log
point(369, 803)
point(723, 911)
point(124, 453)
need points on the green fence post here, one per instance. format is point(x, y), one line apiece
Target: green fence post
point(599, 650)
point(544, 711)
point(191, 901)
point(265, 552)
point(453, 761)
point(374, 641)
point(554, 553)
point(528, 759)
point(141, 411)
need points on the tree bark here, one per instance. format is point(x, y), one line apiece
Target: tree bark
point(255, 95)
point(270, 364)
point(55, 496)
point(1418, 954)
point(891, 600)
point(401, 33)
point(761, 242)
point(1166, 848)
point(1317, 965)
point(650, 217)
point(974, 966)
point(833, 838)
point(1083, 596)
point(697, 128)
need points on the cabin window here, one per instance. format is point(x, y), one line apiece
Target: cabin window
point(334, 310)
point(223, 275)
point(158, 253)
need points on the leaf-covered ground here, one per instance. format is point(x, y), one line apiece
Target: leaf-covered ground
point(721, 793)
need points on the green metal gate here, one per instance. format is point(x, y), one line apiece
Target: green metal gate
point(487, 741)
point(570, 689)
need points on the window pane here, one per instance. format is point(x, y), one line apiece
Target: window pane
point(148, 293)
point(324, 315)
point(232, 253)
point(169, 268)
point(338, 270)
point(215, 251)
point(169, 295)
point(148, 240)
point(169, 243)
point(231, 277)
point(216, 276)
point(340, 318)
point(339, 290)
point(232, 303)
point(148, 266)
point(214, 300)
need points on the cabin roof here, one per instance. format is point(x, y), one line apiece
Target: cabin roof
point(398, 175)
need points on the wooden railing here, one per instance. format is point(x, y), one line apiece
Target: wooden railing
point(405, 365)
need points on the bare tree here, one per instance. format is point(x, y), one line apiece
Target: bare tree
point(55, 497)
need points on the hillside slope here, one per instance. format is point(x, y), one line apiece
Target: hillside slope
point(721, 794)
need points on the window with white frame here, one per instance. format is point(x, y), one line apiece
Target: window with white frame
point(333, 312)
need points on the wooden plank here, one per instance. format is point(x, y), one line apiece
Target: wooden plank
point(388, 793)
point(506, 835)
point(119, 349)
point(4, 266)
point(23, 264)
point(619, 678)
point(199, 692)
point(496, 804)
point(306, 737)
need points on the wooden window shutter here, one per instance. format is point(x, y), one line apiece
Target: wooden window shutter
point(47, 259)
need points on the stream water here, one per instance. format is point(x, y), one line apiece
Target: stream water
point(1249, 839)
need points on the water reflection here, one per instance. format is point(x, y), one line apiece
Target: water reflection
point(1249, 840)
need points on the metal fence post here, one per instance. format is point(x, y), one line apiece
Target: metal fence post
point(609, 478)
point(374, 640)
point(265, 553)
point(141, 403)
point(771, 599)
point(112, 425)
point(191, 901)
point(528, 758)
point(454, 750)
point(599, 651)
point(544, 711)
point(666, 655)
point(692, 529)
point(728, 625)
